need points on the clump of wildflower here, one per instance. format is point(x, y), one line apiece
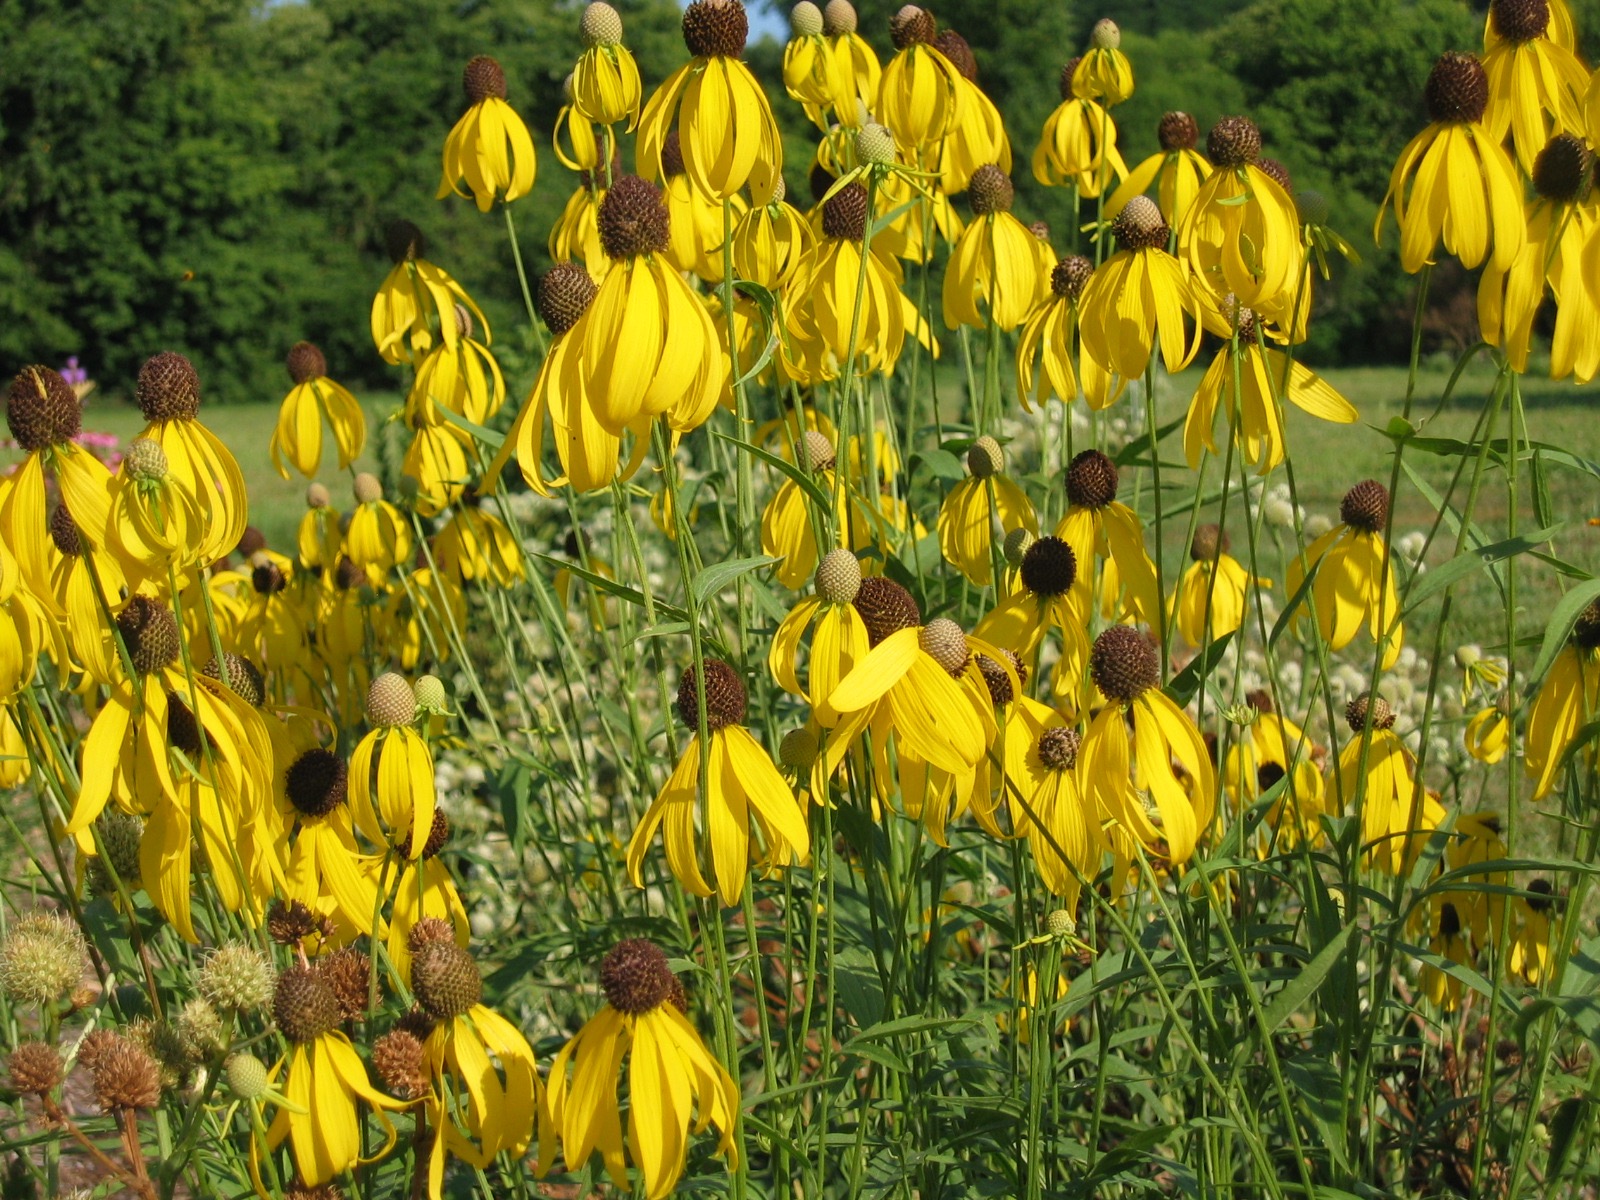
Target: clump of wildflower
point(42, 959)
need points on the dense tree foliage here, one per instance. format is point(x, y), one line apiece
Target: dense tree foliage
point(215, 176)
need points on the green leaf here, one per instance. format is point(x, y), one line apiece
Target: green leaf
point(1562, 618)
point(487, 436)
point(940, 463)
point(610, 586)
point(1543, 509)
point(804, 480)
point(713, 579)
point(1295, 601)
point(1563, 1126)
point(1298, 990)
point(1187, 682)
point(1469, 561)
point(1132, 453)
point(767, 303)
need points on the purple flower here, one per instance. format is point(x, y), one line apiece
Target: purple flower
point(73, 373)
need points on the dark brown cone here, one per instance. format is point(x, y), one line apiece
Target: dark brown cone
point(288, 924)
point(445, 979)
point(97, 1044)
point(1064, 81)
point(990, 191)
point(635, 977)
point(885, 607)
point(1458, 88)
point(996, 679)
point(429, 930)
point(250, 541)
point(1178, 131)
point(438, 835)
point(347, 575)
point(1070, 276)
point(1209, 541)
point(954, 47)
point(565, 292)
point(725, 697)
point(151, 634)
point(1091, 480)
point(304, 1006)
point(912, 25)
point(1261, 700)
point(1586, 629)
point(64, 532)
point(1233, 142)
point(1140, 225)
point(483, 78)
point(1049, 567)
point(42, 409)
point(299, 1189)
point(1268, 774)
point(268, 578)
point(397, 1058)
point(1058, 748)
point(677, 997)
point(404, 241)
point(346, 972)
point(1365, 506)
point(1520, 20)
point(317, 782)
point(1277, 172)
point(243, 677)
point(126, 1077)
point(1365, 706)
point(672, 155)
point(1449, 920)
point(168, 388)
point(845, 213)
point(1543, 894)
point(35, 1068)
point(1562, 170)
point(305, 362)
point(633, 220)
point(1040, 230)
point(1123, 664)
point(715, 28)
point(183, 731)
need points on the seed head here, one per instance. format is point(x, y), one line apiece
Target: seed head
point(305, 363)
point(844, 215)
point(1261, 700)
point(145, 460)
point(838, 577)
point(445, 979)
point(1209, 541)
point(125, 1076)
point(303, 1005)
point(168, 388)
point(243, 677)
point(1178, 131)
point(725, 697)
point(912, 25)
point(482, 79)
point(1312, 207)
point(672, 154)
point(1365, 506)
point(237, 978)
point(838, 18)
point(1091, 480)
point(565, 293)
point(1458, 89)
point(1105, 35)
point(438, 835)
point(1070, 275)
point(1586, 629)
point(366, 488)
point(200, 1030)
point(798, 749)
point(1277, 172)
point(943, 641)
point(956, 48)
point(390, 701)
point(635, 977)
point(427, 930)
point(1543, 894)
point(291, 923)
point(1520, 20)
point(985, 458)
point(1059, 923)
point(1564, 169)
point(715, 28)
point(404, 241)
point(120, 834)
point(1233, 142)
point(885, 607)
point(1016, 546)
point(1368, 707)
point(150, 632)
point(347, 972)
point(1040, 230)
point(42, 409)
point(1140, 225)
point(600, 25)
point(317, 782)
point(633, 220)
point(35, 1068)
point(1123, 664)
point(1069, 70)
point(64, 533)
point(1058, 748)
point(1049, 567)
point(990, 190)
point(874, 144)
point(814, 452)
point(397, 1057)
point(246, 1075)
point(267, 577)
point(995, 678)
point(805, 20)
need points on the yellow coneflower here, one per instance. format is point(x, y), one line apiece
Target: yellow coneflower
point(489, 149)
point(27, 630)
point(79, 576)
point(475, 544)
point(273, 625)
point(1099, 526)
point(424, 890)
point(694, 219)
point(1387, 793)
point(1557, 255)
point(1453, 181)
point(839, 637)
point(787, 530)
point(770, 241)
point(1536, 83)
point(325, 871)
point(812, 74)
point(391, 771)
point(155, 525)
point(318, 537)
point(1241, 204)
point(584, 151)
point(741, 784)
point(978, 137)
point(1140, 297)
point(1176, 171)
point(728, 136)
point(1270, 747)
point(920, 91)
point(1530, 947)
point(1447, 939)
point(1127, 671)
point(1568, 698)
point(982, 505)
point(1214, 581)
point(378, 537)
point(1475, 842)
point(1559, 28)
point(1078, 144)
point(1064, 832)
point(414, 294)
point(1044, 599)
point(675, 1086)
point(1104, 72)
point(605, 83)
point(1487, 736)
point(575, 236)
point(1049, 342)
point(857, 63)
point(996, 262)
point(1254, 411)
point(463, 378)
point(315, 398)
point(675, 363)
point(1355, 583)
point(324, 1079)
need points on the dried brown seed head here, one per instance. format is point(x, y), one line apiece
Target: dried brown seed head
point(635, 977)
point(725, 697)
